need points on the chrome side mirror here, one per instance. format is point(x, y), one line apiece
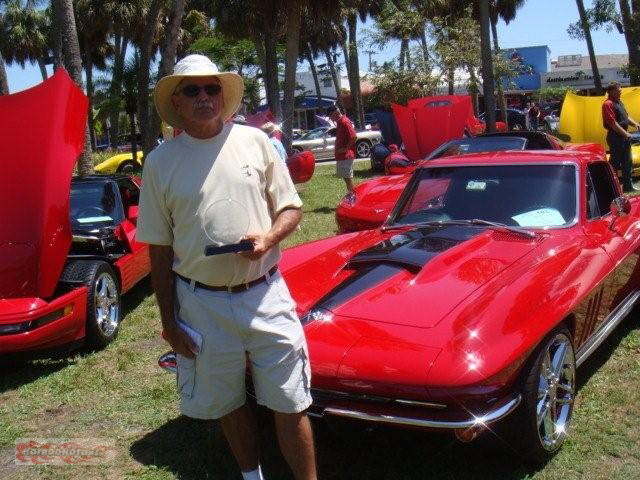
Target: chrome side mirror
point(620, 206)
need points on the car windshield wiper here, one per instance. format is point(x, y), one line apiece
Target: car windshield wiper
point(473, 221)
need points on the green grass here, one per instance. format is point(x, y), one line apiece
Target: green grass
point(119, 393)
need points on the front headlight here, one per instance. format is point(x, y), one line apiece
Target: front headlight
point(317, 315)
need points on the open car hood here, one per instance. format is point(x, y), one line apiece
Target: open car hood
point(428, 122)
point(42, 135)
point(581, 117)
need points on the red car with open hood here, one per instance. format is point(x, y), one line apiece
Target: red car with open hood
point(68, 247)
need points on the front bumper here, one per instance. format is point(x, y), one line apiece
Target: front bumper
point(413, 414)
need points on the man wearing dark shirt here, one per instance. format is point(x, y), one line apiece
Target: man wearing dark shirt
point(616, 120)
point(345, 147)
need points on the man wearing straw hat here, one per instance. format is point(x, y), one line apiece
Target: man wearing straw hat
point(237, 302)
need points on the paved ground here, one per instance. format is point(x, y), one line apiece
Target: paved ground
point(333, 162)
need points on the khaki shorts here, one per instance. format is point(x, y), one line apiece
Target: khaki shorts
point(258, 325)
point(344, 168)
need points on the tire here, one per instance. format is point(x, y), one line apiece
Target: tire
point(363, 149)
point(538, 429)
point(128, 166)
point(296, 150)
point(103, 299)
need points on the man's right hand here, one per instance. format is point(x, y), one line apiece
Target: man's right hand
point(180, 341)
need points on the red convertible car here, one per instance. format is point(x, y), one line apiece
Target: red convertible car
point(494, 278)
point(68, 247)
point(374, 199)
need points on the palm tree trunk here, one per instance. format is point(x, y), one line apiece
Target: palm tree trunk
point(502, 101)
point(592, 56)
point(68, 38)
point(4, 83)
point(314, 73)
point(167, 59)
point(146, 53)
point(116, 84)
point(43, 69)
point(403, 50)
point(473, 90)
point(631, 22)
point(488, 83)
point(133, 135)
point(271, 79)
point(408, 52)
point(451, 80)
point(294, 21)
point(352, 21)
point(425, 49)
point(334, 76)
point(88, 72)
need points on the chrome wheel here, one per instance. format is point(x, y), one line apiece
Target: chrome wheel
point(107, 306)
point(363, 149)
point(556, 392)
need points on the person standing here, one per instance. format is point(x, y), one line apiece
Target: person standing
point(238, 302)
point(272, 130)
point(345, 147)
point(616, 121)
point(534, 116)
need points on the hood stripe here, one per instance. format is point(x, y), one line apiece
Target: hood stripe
point(410, 250)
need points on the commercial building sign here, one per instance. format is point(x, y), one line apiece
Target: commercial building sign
point(582, 79)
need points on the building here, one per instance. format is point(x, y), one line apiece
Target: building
point(575, 71)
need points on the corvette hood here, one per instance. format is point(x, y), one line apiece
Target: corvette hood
point(42, 136)
point(415, 278)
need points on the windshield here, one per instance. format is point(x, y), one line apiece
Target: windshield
point(315, 133)
point(477, 144)
point(519, 195)
point(94, 204)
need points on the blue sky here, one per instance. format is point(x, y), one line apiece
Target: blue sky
point(539, 22)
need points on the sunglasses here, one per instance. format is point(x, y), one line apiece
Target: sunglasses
point(193, 91)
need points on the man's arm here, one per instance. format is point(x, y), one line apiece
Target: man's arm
point(163, 280)
point(285, 223)
point(609, 119)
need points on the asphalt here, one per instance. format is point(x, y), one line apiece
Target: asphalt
point(333, 162)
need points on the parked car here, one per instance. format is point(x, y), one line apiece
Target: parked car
point(516, 118)
point(373, 199)
point(551, 120)
point(496, 276)
point(69, 250)
point(121, 163)
point(321, 141)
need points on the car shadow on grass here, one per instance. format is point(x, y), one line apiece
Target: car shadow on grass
point(195, 449)
point(324, 210)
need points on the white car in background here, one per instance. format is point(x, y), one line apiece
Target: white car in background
point(321, 141)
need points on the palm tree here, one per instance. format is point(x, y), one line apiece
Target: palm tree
point(587, 35)
point(24, 34)
point(4, 84)
point(488, 83)
point(505, 9)
point(631, 22)
point(68, 35)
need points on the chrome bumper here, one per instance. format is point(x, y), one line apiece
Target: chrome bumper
point(476, 421)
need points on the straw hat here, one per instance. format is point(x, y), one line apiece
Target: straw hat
point(196, 66)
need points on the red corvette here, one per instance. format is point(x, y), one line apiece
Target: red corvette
point(494, 278)
point(375, 198)
point(68, 247)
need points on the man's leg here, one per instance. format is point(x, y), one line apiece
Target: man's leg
point(241, 432)
point(349, 183)
point(627, 167)
point(296, 443)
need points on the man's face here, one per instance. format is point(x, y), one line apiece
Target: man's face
point(194, 103)
point(614, 93)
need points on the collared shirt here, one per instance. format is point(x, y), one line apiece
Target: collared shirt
point(210, 192)
point(613, 112)
point(279, 147)
point(345, 146)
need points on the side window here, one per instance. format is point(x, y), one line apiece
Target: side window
point(600, 190)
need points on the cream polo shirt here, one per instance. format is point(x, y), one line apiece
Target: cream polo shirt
point(211, 192)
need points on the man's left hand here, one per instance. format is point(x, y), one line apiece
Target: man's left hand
point(261, 244)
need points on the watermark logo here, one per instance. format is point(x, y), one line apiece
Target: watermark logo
point(64, 451)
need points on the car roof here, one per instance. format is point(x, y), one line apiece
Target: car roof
point(516, 157)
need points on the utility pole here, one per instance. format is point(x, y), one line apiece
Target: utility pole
point(370, 52)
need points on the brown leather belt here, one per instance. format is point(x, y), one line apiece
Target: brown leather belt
point(231, 289)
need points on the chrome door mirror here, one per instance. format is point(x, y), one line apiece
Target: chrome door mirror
point(620, 206)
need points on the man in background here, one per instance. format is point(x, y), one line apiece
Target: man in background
point(345, 147)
